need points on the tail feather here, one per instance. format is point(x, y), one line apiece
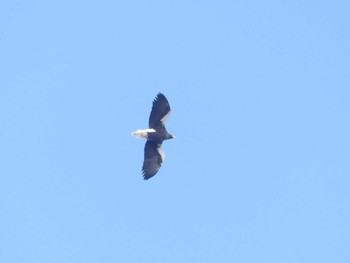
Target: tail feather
point(142, 133)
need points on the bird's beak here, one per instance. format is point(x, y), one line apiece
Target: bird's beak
point(174, 137)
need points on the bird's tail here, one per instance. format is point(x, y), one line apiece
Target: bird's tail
point(142, 133)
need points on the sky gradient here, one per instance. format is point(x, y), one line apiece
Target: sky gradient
point(260, 97)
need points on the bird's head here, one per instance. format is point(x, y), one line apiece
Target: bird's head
point(170, 136)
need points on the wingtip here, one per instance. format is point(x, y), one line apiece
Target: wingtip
point(159, 95)
point(146, 177)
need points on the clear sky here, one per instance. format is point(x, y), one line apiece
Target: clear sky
point(260, 97)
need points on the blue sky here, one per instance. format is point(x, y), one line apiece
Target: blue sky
point(260, 97)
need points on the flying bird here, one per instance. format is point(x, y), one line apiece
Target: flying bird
point(155, 135)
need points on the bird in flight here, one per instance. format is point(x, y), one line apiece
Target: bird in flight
point(155, 135)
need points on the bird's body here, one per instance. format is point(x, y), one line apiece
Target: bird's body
point(155, 135)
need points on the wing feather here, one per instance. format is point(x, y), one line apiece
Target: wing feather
point(160, 112)
point(153, 159)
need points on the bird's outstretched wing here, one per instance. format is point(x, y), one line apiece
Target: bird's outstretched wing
point(154, 158)
point(160, 112)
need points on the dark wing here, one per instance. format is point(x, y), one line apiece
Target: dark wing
point(160, 112)
point(153, 159)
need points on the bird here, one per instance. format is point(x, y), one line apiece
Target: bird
point(155, 135)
